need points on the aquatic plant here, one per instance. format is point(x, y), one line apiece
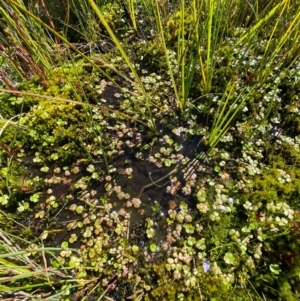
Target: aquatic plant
point(201, 206)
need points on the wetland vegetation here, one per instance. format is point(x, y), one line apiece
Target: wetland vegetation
point(149, 150)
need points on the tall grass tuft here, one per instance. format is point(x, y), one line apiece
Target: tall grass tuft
point(204, 31)
point(25, 44)
point(21, 274)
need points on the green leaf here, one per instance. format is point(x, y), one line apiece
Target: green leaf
point(168, 162)
point(135, 249)
point(4, 199)
point(79, 209)
point(34, 198)
point(118, 230)
point(153, 248)
point(54, 156)
point(177, 147)
point(64, 244)
point(217, 169)
point(275, 269)
point(170, 141)
point(200, 244)
point(189, 228)
point(44, 169)
point(230, 258)
point(74, 262)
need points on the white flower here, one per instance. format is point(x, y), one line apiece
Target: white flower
point(230, 201)
point(222, 207)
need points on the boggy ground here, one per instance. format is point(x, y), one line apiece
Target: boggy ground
point(232, 220)
point(155, 214)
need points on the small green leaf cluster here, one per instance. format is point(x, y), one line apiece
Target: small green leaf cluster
point(57, 131)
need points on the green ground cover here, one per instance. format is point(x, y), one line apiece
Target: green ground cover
point(149, 150)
